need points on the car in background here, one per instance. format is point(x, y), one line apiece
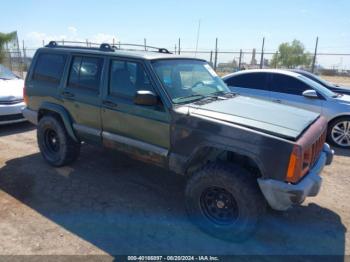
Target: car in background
point(333, 87)
point(11, 97)
point(290, 88)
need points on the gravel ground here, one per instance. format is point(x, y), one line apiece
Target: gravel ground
point(106, 203)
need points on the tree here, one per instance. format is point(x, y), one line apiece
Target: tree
point(291, 55)
point(5, 38)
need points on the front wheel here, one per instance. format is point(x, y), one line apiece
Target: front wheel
point(224, 200)
point(339, 132)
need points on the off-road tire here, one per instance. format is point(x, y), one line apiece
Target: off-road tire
point(331, 125)
point(65, 151)
point(241, 184)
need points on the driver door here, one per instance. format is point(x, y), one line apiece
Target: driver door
point(142, 131)
point(288, 90)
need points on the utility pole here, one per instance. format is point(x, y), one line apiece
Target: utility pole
point(315, 54)
point(216, 53)
point(262, 54)
point(179, 46)
point(199, 28)
point(240, 59)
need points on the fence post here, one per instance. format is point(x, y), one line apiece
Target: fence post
point(240, 59)
point(314, 59)
point(179, 46)
point(216, 53)
point(63, 41)
point(262, 54)
point(175, 50)
point(43, 43)
point(145, 43)
point(211, 57)
point(87, 43)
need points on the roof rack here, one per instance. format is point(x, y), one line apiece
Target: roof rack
point(106, 46)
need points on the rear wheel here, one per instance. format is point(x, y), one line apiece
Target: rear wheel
point(339, 132)
point(56, 146)
point(224, 201)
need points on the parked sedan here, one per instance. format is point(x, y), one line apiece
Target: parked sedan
point(290, 88)
point(11, 97)
point(333, 87)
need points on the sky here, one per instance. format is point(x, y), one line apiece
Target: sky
point(236, 24)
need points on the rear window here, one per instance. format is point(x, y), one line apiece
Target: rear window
point(85, 73)
point(49, 68)
point(251, 80)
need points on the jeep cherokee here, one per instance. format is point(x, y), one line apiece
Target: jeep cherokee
point(238, 153)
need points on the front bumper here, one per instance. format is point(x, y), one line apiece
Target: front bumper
point(281, 195)
point(11, 113)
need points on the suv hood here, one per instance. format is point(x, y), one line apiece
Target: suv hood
point(280, 120)
point(11, 89)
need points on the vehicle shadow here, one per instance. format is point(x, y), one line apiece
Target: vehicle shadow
point(15, 128)
point(126, 207)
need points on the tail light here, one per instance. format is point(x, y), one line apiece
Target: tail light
point(25, 97)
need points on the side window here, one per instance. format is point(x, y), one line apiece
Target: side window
point(85, 73)
point(251, 81)
point(126, 77)
point(287, 85)
point(49, 68)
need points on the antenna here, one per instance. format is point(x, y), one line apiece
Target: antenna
point(198, 30)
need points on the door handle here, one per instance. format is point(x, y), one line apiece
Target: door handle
point(67, 94)
point(109, 103)
point(277, 101)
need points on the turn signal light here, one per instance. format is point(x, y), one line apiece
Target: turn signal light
point(25, 97)
point(295, 167)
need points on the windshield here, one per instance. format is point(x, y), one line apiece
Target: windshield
point(320, 88)
point(186, 80)
point(6, 74)
point(323, 81)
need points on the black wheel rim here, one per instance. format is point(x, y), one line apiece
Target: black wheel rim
point(52, 142)
point(219, 205)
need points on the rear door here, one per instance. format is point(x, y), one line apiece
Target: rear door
point(82, 96)
point(250, 84)
point(142, 131)
point(289, 90)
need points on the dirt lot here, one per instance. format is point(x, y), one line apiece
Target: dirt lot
point(106, 203)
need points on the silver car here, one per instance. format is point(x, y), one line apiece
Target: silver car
point(290, 88)
point(11, 97)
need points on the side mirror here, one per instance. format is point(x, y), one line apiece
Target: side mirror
point(145, 98)
point(310, 93)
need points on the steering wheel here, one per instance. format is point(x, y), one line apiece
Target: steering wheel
point(197, 83)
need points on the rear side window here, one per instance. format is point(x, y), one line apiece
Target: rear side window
point(49, 68)
point(287, 85)
point(252, 81)
point(85, 73)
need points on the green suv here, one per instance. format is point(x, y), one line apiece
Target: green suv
point(238, 153)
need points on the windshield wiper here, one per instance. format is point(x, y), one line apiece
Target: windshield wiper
point(194, 96)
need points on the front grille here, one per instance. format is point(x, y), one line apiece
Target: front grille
point(312, 153)
point(11, 117)
point(11, 102)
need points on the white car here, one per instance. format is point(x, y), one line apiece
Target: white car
point(11, 97)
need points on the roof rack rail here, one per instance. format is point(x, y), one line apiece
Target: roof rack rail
point(106, 46)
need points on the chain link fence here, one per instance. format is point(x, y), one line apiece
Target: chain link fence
point(328, 64)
